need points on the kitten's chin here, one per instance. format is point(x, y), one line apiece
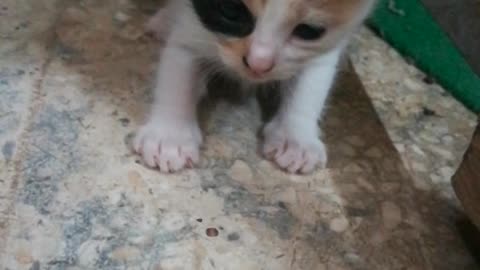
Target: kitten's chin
point(260, 79)
point(253, 78)
point(248, 76)
point(273, 78)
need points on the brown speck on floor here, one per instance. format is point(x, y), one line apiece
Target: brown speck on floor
point(212, 232)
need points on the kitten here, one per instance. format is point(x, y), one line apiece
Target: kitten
point(295, 42)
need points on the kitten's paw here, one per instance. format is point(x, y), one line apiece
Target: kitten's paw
point(293, 151)
point(169, 148)
point(156, 25)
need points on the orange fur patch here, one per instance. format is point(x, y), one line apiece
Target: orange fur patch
point(255, 6)
point(331, 13)
point(338, 11)
point(236, 47)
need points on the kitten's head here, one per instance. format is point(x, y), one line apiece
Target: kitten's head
point(273, 39)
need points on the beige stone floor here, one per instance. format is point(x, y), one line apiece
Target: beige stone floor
point(74, 84)
point(429, 128)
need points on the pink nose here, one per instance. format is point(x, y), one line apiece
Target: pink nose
point(260, 59)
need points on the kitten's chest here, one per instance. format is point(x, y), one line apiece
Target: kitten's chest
point(225, 84)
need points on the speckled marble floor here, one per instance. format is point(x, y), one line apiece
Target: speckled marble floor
point(74, 83)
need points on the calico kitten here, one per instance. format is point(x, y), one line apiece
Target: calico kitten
point(295, 42)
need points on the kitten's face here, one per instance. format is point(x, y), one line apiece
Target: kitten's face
point(264, 40)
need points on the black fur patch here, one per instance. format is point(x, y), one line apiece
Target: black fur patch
point(227, 17)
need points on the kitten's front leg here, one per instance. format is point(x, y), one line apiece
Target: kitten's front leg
point(292, 137)
point(171, 138)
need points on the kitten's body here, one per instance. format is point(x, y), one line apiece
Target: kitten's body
point(295, 42)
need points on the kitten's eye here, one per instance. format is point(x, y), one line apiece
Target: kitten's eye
point(231, 18)
point(233, 10)
point(309, 32)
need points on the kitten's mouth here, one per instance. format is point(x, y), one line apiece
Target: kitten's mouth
point(266, 78)
point(257, 78)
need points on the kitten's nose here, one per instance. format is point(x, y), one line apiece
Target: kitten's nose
point(260, 59)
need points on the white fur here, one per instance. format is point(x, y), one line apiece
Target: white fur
point(171, 138)
point(292, 137)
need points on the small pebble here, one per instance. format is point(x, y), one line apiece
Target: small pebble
point(121, 17)
point(428, 80)
point(282, 205)
point(233, 237)
point(124, 121)
point(428, 112)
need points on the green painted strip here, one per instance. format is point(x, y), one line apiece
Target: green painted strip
point(410, 28)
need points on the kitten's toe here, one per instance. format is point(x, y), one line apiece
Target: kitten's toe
point(159, 149)
point(291, 159)
point(156, 25)
point(150, 152)
point(295, 155)
point(176, 156)
point(316, 156)
point(190, 153)
point(169, 160)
